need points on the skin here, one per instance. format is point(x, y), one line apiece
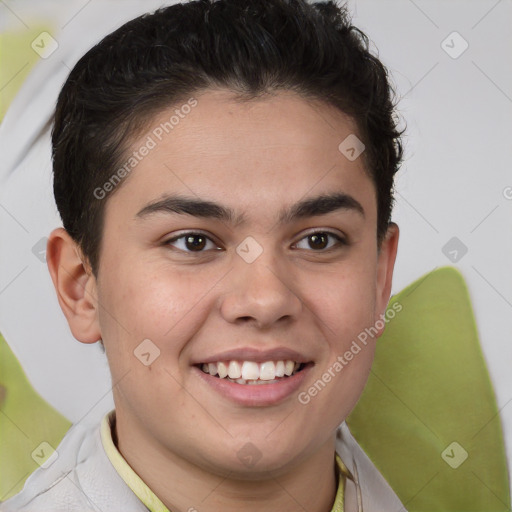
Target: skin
point(176, 432)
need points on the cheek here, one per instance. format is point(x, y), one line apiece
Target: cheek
point(148, 302)
point(345, 302)
point(344, 306)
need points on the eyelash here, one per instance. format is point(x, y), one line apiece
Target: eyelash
point(340, 240)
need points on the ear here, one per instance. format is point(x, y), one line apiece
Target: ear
point(385, 265)
point(75, 285)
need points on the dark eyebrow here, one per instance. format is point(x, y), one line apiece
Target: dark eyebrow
point(190, 206)
point(319, 205)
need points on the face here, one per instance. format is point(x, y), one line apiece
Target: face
point(243, 241)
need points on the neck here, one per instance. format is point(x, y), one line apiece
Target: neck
point(182, 485)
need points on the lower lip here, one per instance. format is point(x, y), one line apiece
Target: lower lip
point(257, 395)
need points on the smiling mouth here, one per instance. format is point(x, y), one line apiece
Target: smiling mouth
point(252, 373)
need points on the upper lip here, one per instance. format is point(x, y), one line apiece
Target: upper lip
point(256, 355)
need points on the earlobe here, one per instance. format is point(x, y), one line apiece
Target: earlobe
point(385, 266)
point(75, 286)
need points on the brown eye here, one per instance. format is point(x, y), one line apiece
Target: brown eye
point(195, 242)
point(192, 242)
point(320, 240)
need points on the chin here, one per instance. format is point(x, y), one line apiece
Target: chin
point(256, 461)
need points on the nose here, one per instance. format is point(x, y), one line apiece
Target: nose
point(260, 293)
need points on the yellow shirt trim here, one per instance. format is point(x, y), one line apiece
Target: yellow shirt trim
point(132, 480)
point(148, 497)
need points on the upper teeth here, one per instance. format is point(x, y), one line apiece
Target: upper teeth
point(249, 370)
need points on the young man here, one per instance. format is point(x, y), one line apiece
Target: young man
point(224, 175)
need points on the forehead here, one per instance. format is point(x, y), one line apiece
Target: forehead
point(222, 124)
point(272, 149)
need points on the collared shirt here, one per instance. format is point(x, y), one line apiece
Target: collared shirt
point(84, 479)
point(148, 497)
